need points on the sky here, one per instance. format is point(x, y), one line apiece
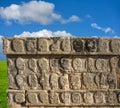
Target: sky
point(46, 18)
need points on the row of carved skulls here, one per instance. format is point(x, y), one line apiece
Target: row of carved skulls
point(68, 65)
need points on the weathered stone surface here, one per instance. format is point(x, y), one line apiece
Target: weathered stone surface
point(16, 97)
point(115, 46)
point(75, 81)
point(104, 46)
point(63, 72)
point(31, 46)
point(79, 64)
point(90, 45)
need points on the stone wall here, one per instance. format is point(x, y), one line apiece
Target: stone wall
point(63, 72)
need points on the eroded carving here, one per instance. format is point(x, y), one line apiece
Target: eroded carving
point(75, 82)
point(20, 64)
point(88, 98)
point(91, 65)
point(65, 45)
point(54, 97)
point(63, 81)
point(65, 64)
point(103, 81)
point(91, 45)
point(19, 97)
point(43, 64)
point(112, 80)
point(44, 81)
point(42, 45)
point(102, 65)
point(21, 82)
point(78, 45)
point(32, 98)
point(33, 82)
point(65, 98)
point(79, 65)
point(88, 80)
point(99, 97)
point(111, 97)
point(115, 45)
point(54, 65)
point(31, 45)
point(114, 64)
point(104, 45)
point(54, 81)
point(76, 98)
point(32, 64)
point(17, 45)
point(43, 96)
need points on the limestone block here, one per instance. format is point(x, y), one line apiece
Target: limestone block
point(91, 45)
point(43, 46)
point(99, 81)
point(64, 82)
point(60, 45)
point(84, 45)
point(37, 97)
point(77, 45)
point(104, 46)
point(75, 81)
point(98, 64)
point(16, 97)
point(14, 46)
point(88, 81)
point(115, 46)
point(31, 45)
point(54, 64)
point(79, 64)
point(63, 72)
point(66, 64)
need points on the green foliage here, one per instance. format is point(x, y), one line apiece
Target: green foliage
point(3, 84)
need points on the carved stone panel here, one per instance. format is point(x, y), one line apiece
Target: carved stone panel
point(79, 64)
point(65, 65)
point(77, 45)
point(43, 45)
point(16, 97)
point(75, 81)
point(31, 46)
point(63, 72)
point(91, 45)
point(65, 45)
point(88, 81)
point(64, 82)
point(17, 45)
point(104, 46)
point(115, 46)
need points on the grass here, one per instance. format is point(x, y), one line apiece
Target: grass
point(3, 84)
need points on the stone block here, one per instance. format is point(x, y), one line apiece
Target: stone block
point(84, 46)
point(63, 72)
point(104, 46)
point(16, 97)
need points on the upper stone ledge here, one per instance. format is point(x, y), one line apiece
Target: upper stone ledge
point(61, 45)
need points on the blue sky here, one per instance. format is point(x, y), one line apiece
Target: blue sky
point(64, 17)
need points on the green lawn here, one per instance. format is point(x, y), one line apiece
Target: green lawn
point(3, 84)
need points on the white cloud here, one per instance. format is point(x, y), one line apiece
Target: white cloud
point(73, 18)
point(106, 30)
point(34, 11)
point(45, 33)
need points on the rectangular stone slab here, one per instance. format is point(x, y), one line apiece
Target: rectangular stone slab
point(62, 45)
point(73, 98)
point(63, 72)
